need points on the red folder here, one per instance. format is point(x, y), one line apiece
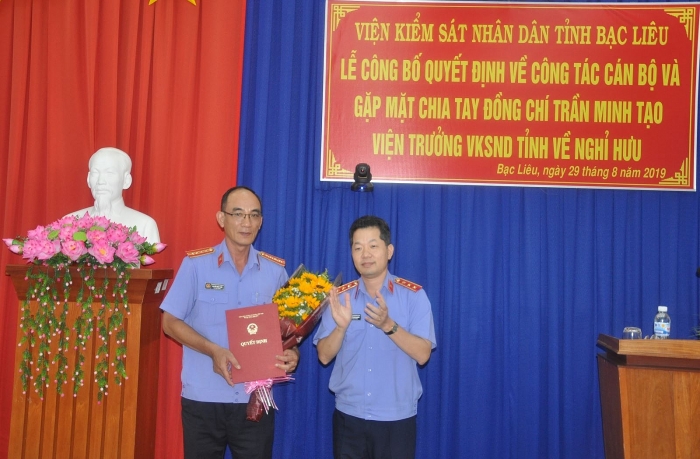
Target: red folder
point(254, 339)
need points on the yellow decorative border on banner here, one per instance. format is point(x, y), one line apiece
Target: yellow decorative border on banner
point(680, 177)
point(339, 12)
point(334, 168)
point(686, 16)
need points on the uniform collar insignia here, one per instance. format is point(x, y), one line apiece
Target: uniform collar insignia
point(272, 258)
point(348, 286)
point(199, 252)
point(408, 284)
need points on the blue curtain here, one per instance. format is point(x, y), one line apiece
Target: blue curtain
point(521, 280)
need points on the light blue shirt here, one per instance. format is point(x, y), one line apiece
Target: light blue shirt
point(372, 378)
point(204, 289)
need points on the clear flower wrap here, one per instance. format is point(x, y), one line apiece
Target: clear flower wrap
point(301, 302)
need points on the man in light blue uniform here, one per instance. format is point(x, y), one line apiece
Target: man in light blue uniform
point(209, 282)
point(378, 335)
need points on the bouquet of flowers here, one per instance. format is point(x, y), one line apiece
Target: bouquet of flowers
point(300, 302)
point(85, 243)
point(85, 240)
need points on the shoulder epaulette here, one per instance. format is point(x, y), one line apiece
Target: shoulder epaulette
point(348, 286)
point(408, 284)
point(278, 260)
point(200, 252)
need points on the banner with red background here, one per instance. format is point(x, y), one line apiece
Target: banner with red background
point(538, 94)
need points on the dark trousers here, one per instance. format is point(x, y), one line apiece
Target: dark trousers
point(355, 438)
point(209, 427)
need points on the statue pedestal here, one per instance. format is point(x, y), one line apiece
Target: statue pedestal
point(123, 424)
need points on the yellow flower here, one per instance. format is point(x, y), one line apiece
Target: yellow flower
point(302, 294)
point(322, 284)
point(306, 288)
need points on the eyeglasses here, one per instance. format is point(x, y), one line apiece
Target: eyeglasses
point(238, 217)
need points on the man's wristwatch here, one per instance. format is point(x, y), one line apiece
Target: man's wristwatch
point(393, 329)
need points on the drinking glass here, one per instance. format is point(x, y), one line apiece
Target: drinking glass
point(632, 333)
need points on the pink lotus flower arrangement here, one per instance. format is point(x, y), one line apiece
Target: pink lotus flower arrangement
point(86, 239)
point(84, 244)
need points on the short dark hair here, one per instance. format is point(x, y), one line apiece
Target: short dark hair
point(224, 198)
point(371, 221)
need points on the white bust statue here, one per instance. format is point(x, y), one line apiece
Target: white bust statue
point(109, 174)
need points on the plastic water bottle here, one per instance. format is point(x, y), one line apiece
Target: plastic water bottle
point(662, 323)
